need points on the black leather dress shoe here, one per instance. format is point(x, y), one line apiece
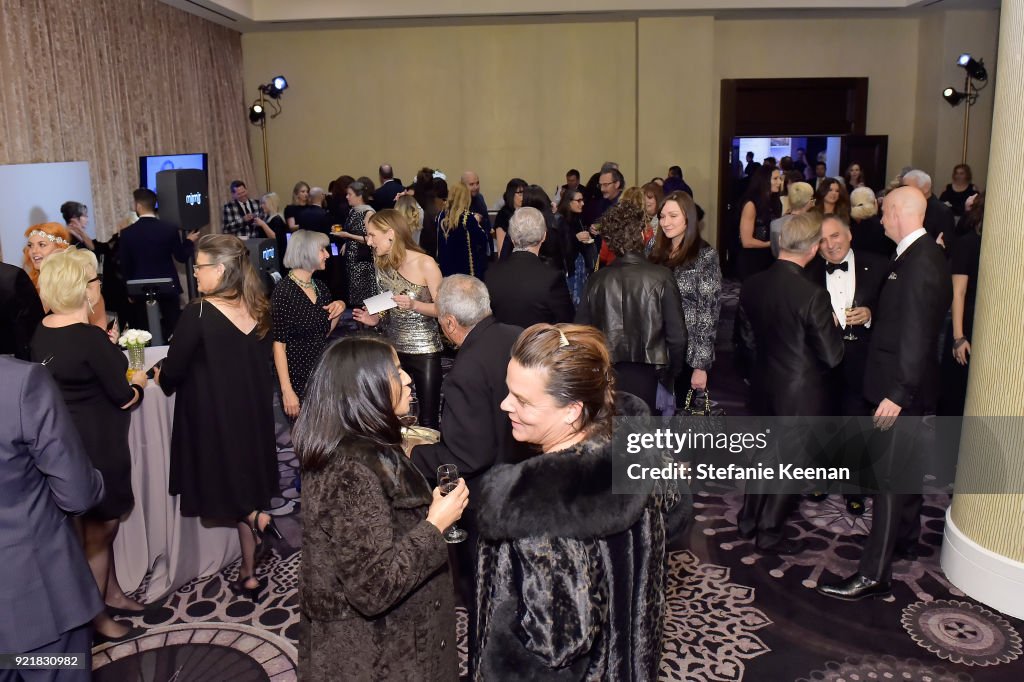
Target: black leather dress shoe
point(856, 587)
point(783, 547)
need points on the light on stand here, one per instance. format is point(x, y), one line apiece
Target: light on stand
point(952, 96)
point(974, 70)
point(257, 115)
point(269, 93)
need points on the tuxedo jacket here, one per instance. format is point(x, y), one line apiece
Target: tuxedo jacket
point(20, 311)
point(787, 320)
point(45, 474)
point(149, 247)
point(384, 196)
point(525, 291)
point(476, 432)
point(903, 362)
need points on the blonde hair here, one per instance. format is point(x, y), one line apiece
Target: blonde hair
point(273, 203)
point(863, 203)
point(800, 233)
point(63, 278)
point(392, 219)
point(634, 196)
point(458, 203)
point(411, 211)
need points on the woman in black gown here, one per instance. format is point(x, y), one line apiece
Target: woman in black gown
point(90, 371)
point(358, 257)
point(303, 316)
point(223, 452)
point(760, 206)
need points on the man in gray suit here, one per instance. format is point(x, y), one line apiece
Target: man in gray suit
point(47, 593)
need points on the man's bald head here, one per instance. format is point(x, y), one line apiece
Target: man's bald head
point(471, 180)
point(903, 212)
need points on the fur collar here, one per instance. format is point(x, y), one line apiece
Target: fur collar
point(402, 481)
point(561, 494)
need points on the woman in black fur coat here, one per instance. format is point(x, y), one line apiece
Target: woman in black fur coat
point(571, 577)
point(376, 596)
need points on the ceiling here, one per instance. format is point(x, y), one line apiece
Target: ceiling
point(267, 15)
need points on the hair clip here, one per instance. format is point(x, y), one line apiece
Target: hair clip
point(562, 340)
point(51, 237)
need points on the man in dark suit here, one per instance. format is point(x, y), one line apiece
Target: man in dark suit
point(900, 380)
point(476, 432)
point(148, 250)
point(938, 217)
point(390, 186)
point(20, 311)
point(48, 593)
point(314, 216)
point(788, 321)
point(524, 290)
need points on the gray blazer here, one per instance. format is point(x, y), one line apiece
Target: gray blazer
point(46, 587)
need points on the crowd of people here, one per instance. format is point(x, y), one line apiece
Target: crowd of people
point(560, 313)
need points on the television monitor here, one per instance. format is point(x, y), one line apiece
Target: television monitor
point(149, 166)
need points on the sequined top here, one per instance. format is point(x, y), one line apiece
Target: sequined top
point(409, 332)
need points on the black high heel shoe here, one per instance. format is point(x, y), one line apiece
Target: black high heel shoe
point(238, 588)
point(268, 538)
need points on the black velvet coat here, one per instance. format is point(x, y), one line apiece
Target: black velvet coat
point(570, 582)
point(376, 596)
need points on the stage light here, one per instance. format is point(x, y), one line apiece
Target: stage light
point(275, 87)
point(257, 114)
point(280, 83)
point(975, 68)
point(952, 96)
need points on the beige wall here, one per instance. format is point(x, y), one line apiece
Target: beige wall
point(535, 99)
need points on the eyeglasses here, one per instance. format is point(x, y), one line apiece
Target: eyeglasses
point(195, 268)
point(97, 278)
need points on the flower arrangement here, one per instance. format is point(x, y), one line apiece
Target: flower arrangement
point(134, 338)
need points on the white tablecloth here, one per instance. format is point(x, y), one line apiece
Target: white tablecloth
point(155, 537)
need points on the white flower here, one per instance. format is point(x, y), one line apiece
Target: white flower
point(134, 337)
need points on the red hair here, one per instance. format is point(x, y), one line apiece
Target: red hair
point(57, 233)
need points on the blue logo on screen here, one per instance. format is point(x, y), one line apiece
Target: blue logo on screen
point(194, 199)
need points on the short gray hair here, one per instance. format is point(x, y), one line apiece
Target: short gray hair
point(918, 179)
point(863, 203)
point(304, 249)
point(316, 196)
point(527, 228)
point(465, 298)
point(800, 233)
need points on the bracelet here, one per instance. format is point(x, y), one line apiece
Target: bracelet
point(959, 342)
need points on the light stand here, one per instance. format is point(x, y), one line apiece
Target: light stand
point(270, 93)
point(974, 70)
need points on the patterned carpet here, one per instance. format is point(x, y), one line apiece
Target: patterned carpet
point(732, 613)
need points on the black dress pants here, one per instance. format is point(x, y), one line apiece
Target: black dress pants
point(639, 379)
point(425, 370)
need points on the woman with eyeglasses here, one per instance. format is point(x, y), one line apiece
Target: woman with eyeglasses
point(90, 371)
point(582, 245)
point(513, 196)
point(223, 448)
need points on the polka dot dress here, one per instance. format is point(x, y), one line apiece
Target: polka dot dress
point(302, 326)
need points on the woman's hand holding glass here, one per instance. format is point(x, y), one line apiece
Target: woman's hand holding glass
point(447, 508)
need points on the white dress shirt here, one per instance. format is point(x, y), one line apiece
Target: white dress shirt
point(909, 239)
point(842, 285)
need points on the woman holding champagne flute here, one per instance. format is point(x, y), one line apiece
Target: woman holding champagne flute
point(375, 590)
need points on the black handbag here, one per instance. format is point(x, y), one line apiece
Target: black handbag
point(699, 404)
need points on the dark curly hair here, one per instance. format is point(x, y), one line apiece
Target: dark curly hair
point(622, 227)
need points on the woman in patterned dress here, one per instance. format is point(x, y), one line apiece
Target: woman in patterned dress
point(358, 256)
point(694, 263)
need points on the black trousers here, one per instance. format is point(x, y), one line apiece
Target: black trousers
point(77, 642)
point(896, 516)
point(639, 379)
point(425, 370)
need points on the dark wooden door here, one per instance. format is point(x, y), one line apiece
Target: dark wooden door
point(870, 152)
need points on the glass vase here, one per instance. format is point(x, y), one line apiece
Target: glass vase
point(136, 358)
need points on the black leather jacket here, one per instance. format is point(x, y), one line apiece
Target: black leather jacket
point(636, 304)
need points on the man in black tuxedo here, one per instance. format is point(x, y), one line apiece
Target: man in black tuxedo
point(148, 249)
point(938, 217)
point(524, 290)
point(390, 186)
point(788, 321)
point(475, 433)
point(20, 311)
point(900, 380)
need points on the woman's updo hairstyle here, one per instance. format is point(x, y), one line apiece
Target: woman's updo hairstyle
point(579, 369)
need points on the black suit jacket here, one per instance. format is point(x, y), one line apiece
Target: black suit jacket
point(787, 320)
point(903, 363)
point(938, 219)
point(526, 291)
point(476, 433)
point(384, 196)
point(870, 273)
point(148, 247)
point(20, 311)
point(47, 588)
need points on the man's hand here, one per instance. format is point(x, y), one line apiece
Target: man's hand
point(858, 316)
point(885, 415)
point(193, 236)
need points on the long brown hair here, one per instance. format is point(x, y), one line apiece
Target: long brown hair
point(578, 366)
point(842, 207)
point(240, 281)
point(392, 219)
point(692, 242)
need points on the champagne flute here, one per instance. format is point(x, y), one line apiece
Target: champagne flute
point(447, 480)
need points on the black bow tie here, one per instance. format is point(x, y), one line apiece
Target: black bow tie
point(832, 267)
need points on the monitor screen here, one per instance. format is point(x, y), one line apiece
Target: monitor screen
point(149, 166)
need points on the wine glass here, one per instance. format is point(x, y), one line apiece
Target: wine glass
point(447, 480)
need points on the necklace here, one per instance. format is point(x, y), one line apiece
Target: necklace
point(304, 285)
